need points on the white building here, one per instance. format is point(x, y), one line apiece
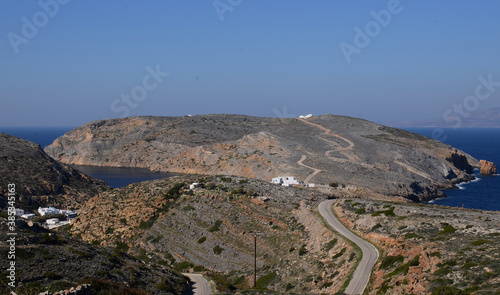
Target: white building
point(306, 116)
point(69, 213)
point(194, 185)
point(285, 180)
point(48, 211)
point(28, 216)
point(52, 221)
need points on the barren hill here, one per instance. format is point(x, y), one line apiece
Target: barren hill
point(356, 153)
point(39, 179)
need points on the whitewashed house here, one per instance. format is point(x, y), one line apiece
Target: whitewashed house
point(285, 180)
point(48, 211)
point(69, 213)
point(52, 221)
point(28, 215)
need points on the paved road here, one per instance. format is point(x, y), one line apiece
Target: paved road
point(362, 273)
point(201, 285)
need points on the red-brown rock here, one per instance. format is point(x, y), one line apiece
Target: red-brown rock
point(488, 168)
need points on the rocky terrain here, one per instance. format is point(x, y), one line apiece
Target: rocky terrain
point(427, 248)
point(54, 261)
point(325, 149)
point(211, 229)
point(39, 179)
point(487, 168)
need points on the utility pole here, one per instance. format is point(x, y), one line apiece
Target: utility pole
point(255, 262)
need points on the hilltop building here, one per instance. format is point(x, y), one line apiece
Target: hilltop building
point(285, 180)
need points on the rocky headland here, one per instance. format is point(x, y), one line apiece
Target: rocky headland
point(39, 179)
point(346, 151)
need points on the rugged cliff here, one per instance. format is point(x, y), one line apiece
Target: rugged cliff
point(39, 179)
point(327, 149)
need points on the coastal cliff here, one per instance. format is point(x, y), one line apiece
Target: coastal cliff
point(351, 152)
point(39, 179)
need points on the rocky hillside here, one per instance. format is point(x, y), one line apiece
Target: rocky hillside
point(327, 149)
point(53, 261)
point(211, 229)
point(428, 248)
point(39, 179)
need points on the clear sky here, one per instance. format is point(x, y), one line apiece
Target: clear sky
point(65, 63)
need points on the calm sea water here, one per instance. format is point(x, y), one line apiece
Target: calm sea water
point(484, 192)
point(115, 177)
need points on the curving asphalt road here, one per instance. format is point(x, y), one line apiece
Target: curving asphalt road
point(201, 285)
point(361, 275)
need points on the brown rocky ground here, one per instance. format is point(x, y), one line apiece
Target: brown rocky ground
point(212, 229)
point(424, 246)
point(343, 150)
point(53, 261)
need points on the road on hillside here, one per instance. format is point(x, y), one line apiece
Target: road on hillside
point(201, 285)
point(361, 276)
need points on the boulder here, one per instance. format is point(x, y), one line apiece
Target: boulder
point(488, 168)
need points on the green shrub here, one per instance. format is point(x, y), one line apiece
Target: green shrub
point(266, 280)
point(331, 244)
point(480, 242)
point(447, 229)
point(360, 211)
point(184, 265)
point(120, 246)
point(333, 184)
point(216, 226)
point(448, 290)
point(326, 285)
point(202, 239)
point(148, 224)
point(123, 220)
point(339, 253)
point(302, 250)
point(218, 250)
point(52, 276)
point(389, 261)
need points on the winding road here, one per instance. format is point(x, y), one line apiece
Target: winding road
point(361, 275)
point(201, 285)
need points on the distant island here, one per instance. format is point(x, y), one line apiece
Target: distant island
point(489, 118)
point(360, 156)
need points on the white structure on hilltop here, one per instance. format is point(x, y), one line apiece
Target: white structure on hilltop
point(28, 215)
point(306, 116)
point(194, 185)
point(48, 211)
point(285, 180)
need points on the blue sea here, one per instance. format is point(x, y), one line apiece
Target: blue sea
point(114, 176)
point(482, 193)
point(482, 144)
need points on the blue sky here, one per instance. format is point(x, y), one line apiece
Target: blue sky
point(254, 57)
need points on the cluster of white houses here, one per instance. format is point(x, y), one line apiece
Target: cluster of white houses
point(52, 222)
